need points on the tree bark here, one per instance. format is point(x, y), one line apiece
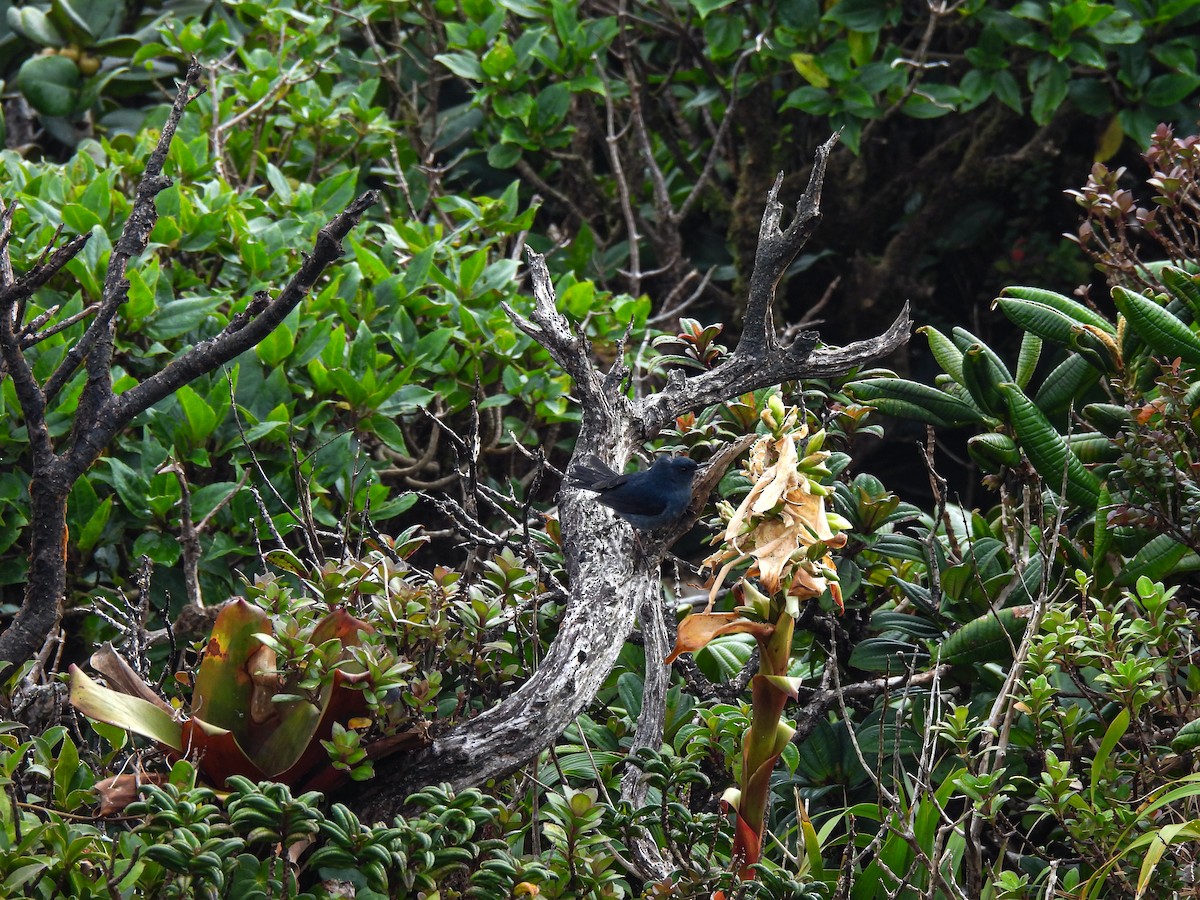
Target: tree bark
point(613, 572)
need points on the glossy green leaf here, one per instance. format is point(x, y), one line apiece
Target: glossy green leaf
point(989, 638)
point(910, 399)
point(1049, 452)
point(1072, 309)
point(1164, 333)
point(51, 84)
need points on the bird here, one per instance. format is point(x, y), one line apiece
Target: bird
point(647, 499)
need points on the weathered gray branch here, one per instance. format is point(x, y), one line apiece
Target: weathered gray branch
point(613, 574)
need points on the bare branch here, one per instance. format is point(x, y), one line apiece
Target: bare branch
point(777, 248)
point(133, 241)
point(612, 572)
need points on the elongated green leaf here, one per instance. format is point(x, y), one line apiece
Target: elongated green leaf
point(1161, 555)
point(1102, 539)
point(1098, 347)
point(910, 399)
point(1065, 305)
point(1049, 453)
point(1182, 285)
point(877, 654)
point(1027, 358)
point(131, 713)
point(1107, 417)
point(989, 638)
point(963, 339)
point(1115, 731)
point(812, 843)
point(1164, 333)
point(1038, 318)
point(1156, 847)
point(983, 378)
point(1093, 448)
point(1066, 384)
point(1187, 737)
point(948, 356)
point(993, 451)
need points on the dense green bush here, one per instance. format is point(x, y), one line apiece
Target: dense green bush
point(980, 721)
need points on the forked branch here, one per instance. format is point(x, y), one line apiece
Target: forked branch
point(612, 573)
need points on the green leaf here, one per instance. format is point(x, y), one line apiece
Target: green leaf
point(552, 105)
point(1112, 735)
point(1164, 333)
point(1027, 359)
point(993, 451)
point(704, 7)
point(878, 654)
point(1049, 93)
point(990, 638)
point(503, 156)
point(89, 535)
point(1008, 91)
point(34, 25)
point(278, 344)
point(157, 547)
point(945, 351)
point(499, 60)
point(1187, 737)
point(859, 15)
point(79, 218)
point(462, 64)
point(335, 193)
point(910, 399)
point(182, 315)
point(279, 184)
point(1038, 318)
point(982, 379)
point(131, 713)
point(1066, 384)
point(1049, 452)
point(201, 418)
point(725, 656)
point(95, 18)
point(1161, 556)
point(50, 84)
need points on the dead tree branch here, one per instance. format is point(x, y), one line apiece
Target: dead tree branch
point(612, 572)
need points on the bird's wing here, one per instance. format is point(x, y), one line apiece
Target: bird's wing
point(591, 473)
point(635, 504)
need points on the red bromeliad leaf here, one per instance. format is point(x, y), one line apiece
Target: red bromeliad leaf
point(224, 690)
point(342, 703)
point(217, 753)
point(292, 749)
point(699, 628)
point(747, 844)
point(343, 626)
point(236, 728)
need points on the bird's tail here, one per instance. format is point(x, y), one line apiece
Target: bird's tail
point(589, 472)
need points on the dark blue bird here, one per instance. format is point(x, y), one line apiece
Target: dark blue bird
point(646, 499)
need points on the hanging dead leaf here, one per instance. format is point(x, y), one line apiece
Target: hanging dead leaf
point(699, 628)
